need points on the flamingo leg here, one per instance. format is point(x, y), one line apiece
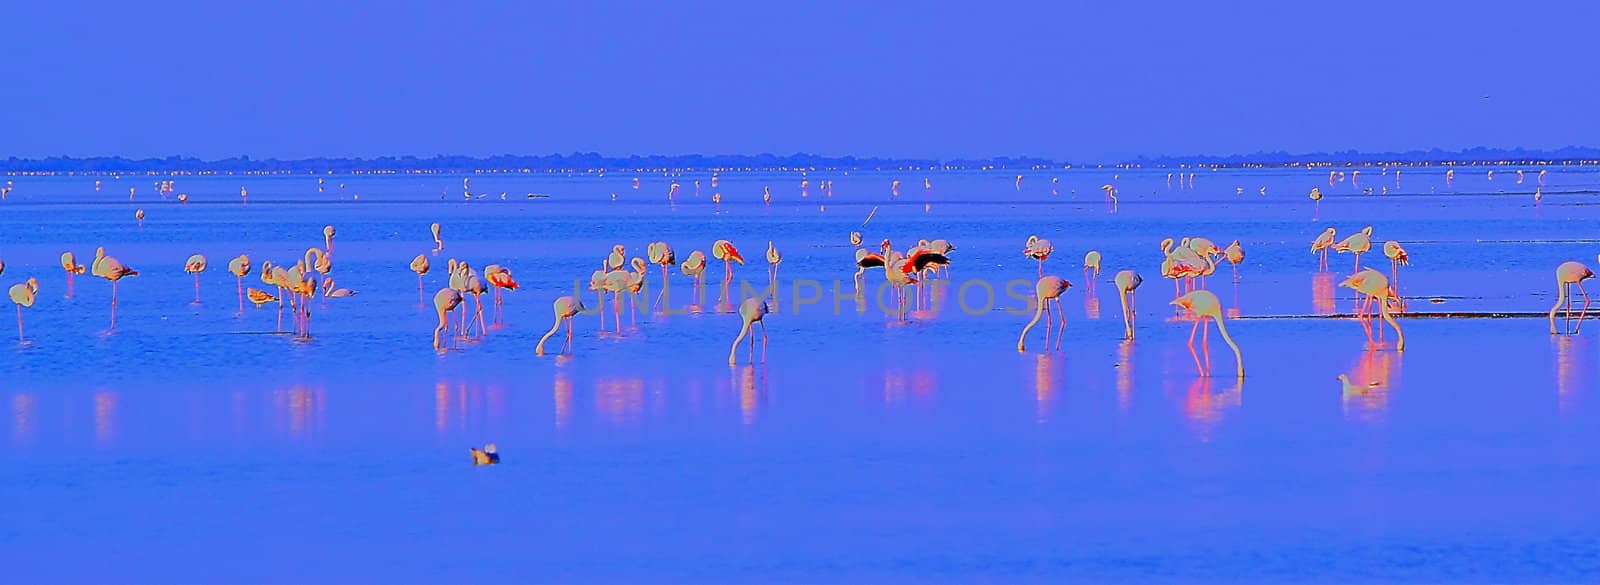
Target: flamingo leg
point(1585, 311)
point(477, 302)
point(568, 346)
point(1063, 328)
point(763, 341)
point(240, 282)
point(114, 305)
point(1205, 341)
point(1566, 324)
point(19, 323)
point(420, 301)
point(1197, 365)
point(197, 288)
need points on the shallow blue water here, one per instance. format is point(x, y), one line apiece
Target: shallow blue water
point(193, 444)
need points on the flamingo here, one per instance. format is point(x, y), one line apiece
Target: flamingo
point(855, 238)
point(327, 238)
point(942, 248)
point(474, 285)
point(1203, 246)
point(138, 214)
point(1111, 196)
point(1538, 195)
point(1182, 263)
point(618, 258)
point(1323, 242)
point(661, 255)
point(723, 250)
point(22, 295)
point(773, 259)
point(1519, 176)
point(752, 310)
point(331, 290)
point(444, 301)
point(110, 269)
point(1091, 266)
point(438, 243)
point(693, 267)
point(1316, 194)
point(1568, 274)
point(1541, 176)
point(865, 260)
point(239, 267)
point(1204, 305)
point(499, 277)
point(566, 308)
point(1047, 289)
point(1235, 254)
point(1127, 282)
point(1038, 249)
point(69, 263)
point(1375, 287)
point(1358, 243)
point(420, 266)
point(195, 265)
point(1397, 258)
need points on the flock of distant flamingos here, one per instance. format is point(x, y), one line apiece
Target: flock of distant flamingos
point(1187, 262)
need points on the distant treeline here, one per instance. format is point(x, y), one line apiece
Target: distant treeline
point(586, 162)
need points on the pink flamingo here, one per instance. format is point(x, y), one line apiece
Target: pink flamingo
point(1128, 281)
point(1038, 249)
point(239, 267)
point(661, 255)
point(752, 310)
point(1322, 244)
point(195, 265)
point(110, 269)
point(420, 266)
point(1048, 289)
point(1373, 286)
point(22, 295)
point(565, 308)
point(70, 264)
point(723, 250)
point(1568, 274)
point(1204, 305)
point(444, 302)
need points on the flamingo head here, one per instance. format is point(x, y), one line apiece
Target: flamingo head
point(327, 232)
point(1165, 244)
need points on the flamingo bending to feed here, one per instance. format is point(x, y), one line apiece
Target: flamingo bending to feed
point(110, 269)
point(1358, 243)
point(22, 295)
point(420, 266)
point(694, 267)
point(195, 265)
point(444, 302)
point(1127, 282)
point(1235, 254)
point(239, 267)
point(1568, 274)
point(1204, 305)
point(750, 311)
point(1038, 249)
point(1091, 266)
point(566, 308)
point(723, 250)
point(1374, 286)
point(661, 255)
point(1321, 244)
point(1048, 289)
point(70, 264)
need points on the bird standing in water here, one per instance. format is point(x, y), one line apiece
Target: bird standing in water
point(1321, 244)
point(70, 264)
point(1375, 287)
point(1204, 305)
point(1048, 289)
point(1235, 254)
point(1038, 249)
point(1358, 243)
point(1127, 282)
point(1568, 274)
point(444, 302)
point(420, 266)
point(22, 295)
point(110, 269)
point(195, 265)
point(750, 311)
point(438, 243)
point(565, 309)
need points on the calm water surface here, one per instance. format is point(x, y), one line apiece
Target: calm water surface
point(195, 444)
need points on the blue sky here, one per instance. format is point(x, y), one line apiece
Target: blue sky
point(1068, 80)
